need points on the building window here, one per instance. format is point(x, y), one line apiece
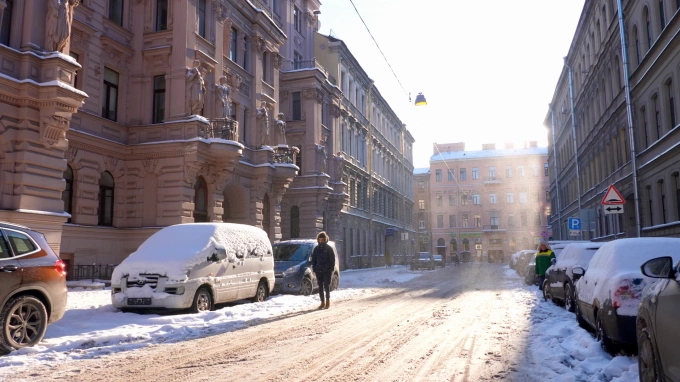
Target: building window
point(244, 65)
point(421, 204)
point(547, 196)
point(421, 186)
point(452, 200)
point(6, 25)
point(492, 173)
point(200, 201)
point(161, 15)
point(233, 45)
point(116, 11)
point(537, 219)
point(534, 170)
point(520, 169)
point(463, 174)
point(508, 171)
point(509, 198)
point(440, 221)
point(671, 102)
point(298, 160)
point(657, 116)
point(106, 187)
point(297, 107)
point(76, 57)
point(511, 220)
point(476, 199)
point(295, 222)
point(648, 27)
point(297, 60)
point(67, 194)
point(421, 224)
point(438, 175)
point(662, 15)
point(451, 177)
point(110, 94)
point(495, 220)
point(478, 221)
point(439, 201)
point(454, 245)
point(662, 199)
point(452, 221)
point(201, 18)
point(493, 199)
point(546, 166)
point(265, 67)
point(297, 22)
point(463, 200)
point(523, 219)
point(158, 99)
point(522, 197)
point(475, 173)
point(464, 222)
point(637, 44)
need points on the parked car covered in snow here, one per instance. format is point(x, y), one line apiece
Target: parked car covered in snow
point(558, 245)
point(524, 259)
point(609, 292)
point(195, 266)
point(658, 334)
point(293, 267)
point(559, 280)
point(514, 259)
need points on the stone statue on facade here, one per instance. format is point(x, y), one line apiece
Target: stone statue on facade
point(195, 88)
point(337, 166)
point(280, 130)
point(263, 124)
point(223, 94)
point(321, 158)
point(58, 24)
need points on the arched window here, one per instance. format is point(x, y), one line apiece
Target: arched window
point(662, 15)
point(637, 44)
point(294, 222)
point(454, 245)
point(648, 28)
point(106, 188)
point(200, 201)
point(441, 243)
point(67, 194)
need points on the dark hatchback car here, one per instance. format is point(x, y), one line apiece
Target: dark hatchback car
point(293, 267)
point(658, 334)
point(423, 260)
point(439, 261)
point(32, 287)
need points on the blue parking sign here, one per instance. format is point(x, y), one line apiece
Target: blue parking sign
point(575, 224)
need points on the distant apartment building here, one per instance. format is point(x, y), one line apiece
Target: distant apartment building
point(599, 140)
point(421, 209)
point(491, 202)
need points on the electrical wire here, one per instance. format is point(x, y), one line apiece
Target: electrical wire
point(376, 44)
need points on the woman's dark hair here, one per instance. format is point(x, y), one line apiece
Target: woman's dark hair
point(323, 235)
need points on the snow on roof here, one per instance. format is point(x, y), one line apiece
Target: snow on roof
point(176, 249)
point(421, 171)
point(488, 153)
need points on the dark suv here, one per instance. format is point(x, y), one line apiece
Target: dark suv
point(32, 287)
point(293, 267)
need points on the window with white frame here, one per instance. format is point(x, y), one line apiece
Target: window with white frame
point(476, 199)
point(509, 198)
point(522, 197)
point(493, 199)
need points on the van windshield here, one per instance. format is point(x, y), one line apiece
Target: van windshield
point(291, 252)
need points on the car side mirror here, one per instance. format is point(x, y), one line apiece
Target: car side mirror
point(659, 268)
point(578, 272)
point(219, 255)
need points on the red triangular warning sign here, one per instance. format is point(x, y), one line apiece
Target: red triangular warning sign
point(612, 196)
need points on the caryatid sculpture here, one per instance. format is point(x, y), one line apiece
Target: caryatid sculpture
point(223, 94)
point(58, 24)
point(263, 124)
point(280, 130)
point(195, 88)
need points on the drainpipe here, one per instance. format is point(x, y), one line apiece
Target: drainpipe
point(629, 112)
point(573, 132)
point(557, 185)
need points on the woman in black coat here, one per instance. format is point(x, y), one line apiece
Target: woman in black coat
point(323, 264)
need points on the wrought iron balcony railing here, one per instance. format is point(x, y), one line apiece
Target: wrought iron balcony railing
point(285, 154)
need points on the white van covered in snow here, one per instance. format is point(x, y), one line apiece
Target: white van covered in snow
point(195, 266)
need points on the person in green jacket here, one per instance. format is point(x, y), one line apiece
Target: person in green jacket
point(544, 258)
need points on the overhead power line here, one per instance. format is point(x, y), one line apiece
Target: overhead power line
point(376, 44)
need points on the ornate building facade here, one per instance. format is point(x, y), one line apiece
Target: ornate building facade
point(421, 209)
point(491, 202)
point(598, 139)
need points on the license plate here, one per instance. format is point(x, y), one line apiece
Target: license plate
point(139, 301)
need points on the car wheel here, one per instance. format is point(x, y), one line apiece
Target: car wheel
point(546, 291)
point(647, 363)
point(568, 298)
point(579, 318)
point(606, 342)
point(24, 321)
point(203, 301)
point(260, 293)
point(306, 286)
point(335, 282)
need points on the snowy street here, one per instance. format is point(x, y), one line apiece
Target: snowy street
point(474, 322)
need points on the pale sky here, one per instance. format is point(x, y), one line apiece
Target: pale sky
point(487, 68)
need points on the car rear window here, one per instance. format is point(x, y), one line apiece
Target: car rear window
point(21, 243)
point(425, 256)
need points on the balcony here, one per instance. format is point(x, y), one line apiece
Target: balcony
point(222, 128)
point(492, 228)
point(290, 65)
point(285, 154)
point(492, 180)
